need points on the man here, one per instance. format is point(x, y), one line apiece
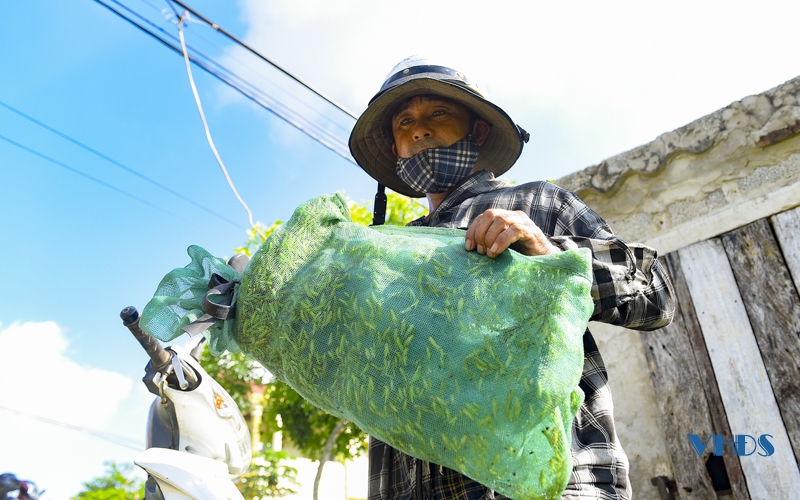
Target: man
point(429, 132)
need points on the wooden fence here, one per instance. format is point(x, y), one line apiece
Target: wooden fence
point(729, 363)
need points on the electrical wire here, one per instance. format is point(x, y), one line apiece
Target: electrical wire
point(174, 10)
point(283, 112)
point(98, 181)
point(310, 128)
point(154, 7)
point(251, 91)
point(262, 57)
point(118, 164)
point(205, 123)
point(230, 78)
point(106, 436)
point(256, 70)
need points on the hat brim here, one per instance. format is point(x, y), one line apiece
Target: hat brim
point(371, 139)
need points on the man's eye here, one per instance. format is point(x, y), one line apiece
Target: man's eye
point(405, 121)
point(438, 112)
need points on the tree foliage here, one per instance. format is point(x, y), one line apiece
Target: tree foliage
point(269, 476)
point(306, 426)
point(116, 484)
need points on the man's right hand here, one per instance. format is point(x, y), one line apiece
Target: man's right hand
point(493, 231)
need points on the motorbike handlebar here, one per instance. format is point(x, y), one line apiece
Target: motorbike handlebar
point(160, 357)
point(179, 374)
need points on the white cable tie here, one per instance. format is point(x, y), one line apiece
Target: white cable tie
point(205, 123)
point(169, 16)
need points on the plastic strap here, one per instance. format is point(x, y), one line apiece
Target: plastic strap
point(379, 214)
point(215, 311)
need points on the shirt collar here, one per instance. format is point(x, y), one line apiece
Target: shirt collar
point(476, 183)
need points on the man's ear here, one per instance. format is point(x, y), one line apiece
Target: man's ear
point(394, 149)
point(480, 130)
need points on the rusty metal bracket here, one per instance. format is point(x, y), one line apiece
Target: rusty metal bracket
point(666, 487)
point(778, 135)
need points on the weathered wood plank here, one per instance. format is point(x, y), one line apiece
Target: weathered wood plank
point(742, 378)
point(708, 381)
point(636, 412)
point(681, 399)
point(773, 305)
point(787, 229)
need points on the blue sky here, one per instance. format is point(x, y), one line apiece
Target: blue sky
point(587, 80)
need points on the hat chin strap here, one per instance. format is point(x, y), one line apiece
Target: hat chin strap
point(379, 214)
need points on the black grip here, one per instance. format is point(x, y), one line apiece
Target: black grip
point(129, 315)
point(161, 357)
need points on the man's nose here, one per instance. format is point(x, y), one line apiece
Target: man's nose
point(422, 130)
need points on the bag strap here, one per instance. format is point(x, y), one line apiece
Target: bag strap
point(215, 311)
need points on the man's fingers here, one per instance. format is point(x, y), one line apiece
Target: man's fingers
point(505, 239)
point(484, 231)
point(477, 232)
point(494, 231)
point(469, 244)
point(498, 227)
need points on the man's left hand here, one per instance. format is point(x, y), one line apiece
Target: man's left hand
point(495, 230)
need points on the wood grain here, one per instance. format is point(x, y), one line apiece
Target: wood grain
point(681, 399)
point(708, 381)
point(773, 306)
point(787, 229)
point(741, 375)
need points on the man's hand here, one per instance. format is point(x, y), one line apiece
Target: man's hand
point(495, 230)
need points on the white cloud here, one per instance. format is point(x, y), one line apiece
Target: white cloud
point(541, 50)
point(42, 378)
point(597, 77)
point(38, 379)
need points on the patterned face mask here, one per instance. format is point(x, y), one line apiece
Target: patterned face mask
point(437, 170)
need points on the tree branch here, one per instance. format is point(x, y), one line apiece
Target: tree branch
point(327, 451)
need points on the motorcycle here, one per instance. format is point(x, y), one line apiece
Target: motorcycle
point(18, 489)
point(197, 441)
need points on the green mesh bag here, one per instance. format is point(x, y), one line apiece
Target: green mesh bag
point(178, 302)
point(449, 356)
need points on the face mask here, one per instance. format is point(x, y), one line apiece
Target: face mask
point(437, 170)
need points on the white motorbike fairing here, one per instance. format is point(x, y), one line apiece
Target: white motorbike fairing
point(184, 475)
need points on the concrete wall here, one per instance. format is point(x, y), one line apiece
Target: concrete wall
point(727, 169)
point(713, 175)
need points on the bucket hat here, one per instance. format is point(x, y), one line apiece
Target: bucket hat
point(371, 139)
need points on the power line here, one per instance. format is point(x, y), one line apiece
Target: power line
point(319, 134)
point(205, 123)
point(247, 65)
point(174, 10)
point(118, 164)
point(262, 98)
point(106, 436)
point(98, 181)
point(272, 104)
point(264, 58)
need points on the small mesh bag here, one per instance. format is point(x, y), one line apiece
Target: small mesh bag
point(449, 356)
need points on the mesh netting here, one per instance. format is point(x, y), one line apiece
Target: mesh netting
point(178, 301)
point(449, 356)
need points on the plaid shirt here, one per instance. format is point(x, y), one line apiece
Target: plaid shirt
point(630, 289)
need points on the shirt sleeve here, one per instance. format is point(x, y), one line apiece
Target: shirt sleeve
point(630, 287)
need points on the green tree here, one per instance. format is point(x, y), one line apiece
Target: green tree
point(269, 477)
point(305, 425)
point(116, 484)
